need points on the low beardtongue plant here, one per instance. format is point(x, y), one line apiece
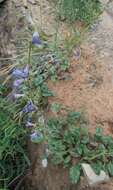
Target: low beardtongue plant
point(19, 76)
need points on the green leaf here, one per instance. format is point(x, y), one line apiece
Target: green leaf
point(107, 140)
point(75, 173)
point(97, 167)
point(98, 134)
point(98, 131)
point(45, 91)
point(84, 130)
point(67, 160)
point(86, 151)
point(85, 140)
point(55, 107)
point(73, 116)
point(65, 65)
point(79, 150)
point(110, 168)
point(54, 78)
point(3, 89)
point(39, 80)
point(57, 159)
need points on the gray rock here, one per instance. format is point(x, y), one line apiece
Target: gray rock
point(92, 178)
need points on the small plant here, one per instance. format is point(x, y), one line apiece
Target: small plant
point(55, 107)
point(70, 145)
point(21, 105)
point(82, 10)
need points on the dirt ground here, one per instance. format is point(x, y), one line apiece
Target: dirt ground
point(89, 88)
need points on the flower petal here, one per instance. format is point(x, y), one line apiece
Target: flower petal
point(26, 71)
point(36, 137)
point(18, 82)
point(21, 73)
point(30, 124)
point(17, 73)
point(30, 107)
point(36, 40)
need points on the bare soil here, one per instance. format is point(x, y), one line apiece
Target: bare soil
point(91, 86)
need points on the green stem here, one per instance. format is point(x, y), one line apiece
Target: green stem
point(56, 37)
point(30, 66)
point(57, 28)
point(41, 15)
point(29, 54)
point(98, 155)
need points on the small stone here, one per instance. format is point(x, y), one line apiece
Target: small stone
point(33, 2)
point(44, 163)
point(92, 178)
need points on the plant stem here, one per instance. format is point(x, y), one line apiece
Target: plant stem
point(98, 155)
point(29, 54)
point(29, 63)
point(41, 15)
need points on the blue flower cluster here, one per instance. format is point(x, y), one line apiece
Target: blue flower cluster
point(19, 75)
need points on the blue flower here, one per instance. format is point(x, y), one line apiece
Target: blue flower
point(17, 83)
point(36, 40)
point(36, 137)
point(16, 96)
point(30, 124)
point(30, 107)
point(21, 73)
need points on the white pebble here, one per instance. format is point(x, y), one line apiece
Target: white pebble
point(44, 163)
